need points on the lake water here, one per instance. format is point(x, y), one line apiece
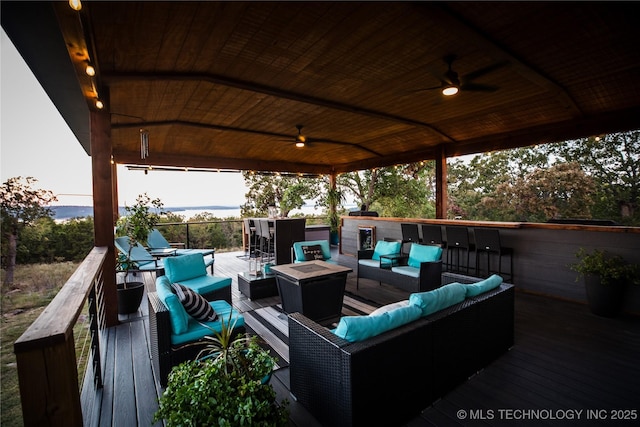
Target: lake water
point(233, 212)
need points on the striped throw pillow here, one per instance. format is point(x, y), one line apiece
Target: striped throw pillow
point(194, 304)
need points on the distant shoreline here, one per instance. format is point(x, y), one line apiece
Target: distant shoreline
point(66, 212)
point(63, 212)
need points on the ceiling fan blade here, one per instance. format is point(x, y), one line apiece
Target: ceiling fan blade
point(473, 87)
point(424, 89)
point(483, 71)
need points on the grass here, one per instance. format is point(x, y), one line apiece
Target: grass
point(33, 288)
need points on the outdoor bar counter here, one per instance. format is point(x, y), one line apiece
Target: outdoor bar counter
point(542, 252)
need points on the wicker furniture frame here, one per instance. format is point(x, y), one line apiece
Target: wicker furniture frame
point(428, 279)
point(390, 378)
point(164, 356)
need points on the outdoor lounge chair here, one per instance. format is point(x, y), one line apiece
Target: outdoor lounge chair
point(156, 241)
point(142, 259)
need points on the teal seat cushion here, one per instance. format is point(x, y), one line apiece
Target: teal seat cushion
point(196, 330)
point(386, 248)
point(184, 267)
point(360, 328)
point(206, 284)
point(299, 251)
point(407, 271)
point(178, 316)
point(369, 262)
point(438, 299)
point(483, 286)
point(423, 253)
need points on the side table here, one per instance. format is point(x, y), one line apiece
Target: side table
point(392, 260)
point(256, 287)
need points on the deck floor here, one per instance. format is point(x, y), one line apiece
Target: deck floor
point(565, 362)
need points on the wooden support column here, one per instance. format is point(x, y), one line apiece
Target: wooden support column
point(441, 183)
point(103, 210)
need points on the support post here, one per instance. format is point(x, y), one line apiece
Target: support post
point(441, 183)
point(103, 210)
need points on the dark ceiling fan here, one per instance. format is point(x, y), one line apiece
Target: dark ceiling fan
point(300, 140)
point(451, 83)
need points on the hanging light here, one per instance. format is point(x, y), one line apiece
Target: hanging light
point(90, 70)
point(99, 104)
point(75, 4)
point(450, 90)
point(144, 144)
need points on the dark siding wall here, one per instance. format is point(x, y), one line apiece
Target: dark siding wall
point(542, 252)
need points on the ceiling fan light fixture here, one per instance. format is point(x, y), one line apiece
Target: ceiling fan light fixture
point(300, 144)
point(450, 90)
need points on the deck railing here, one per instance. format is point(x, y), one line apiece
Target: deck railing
point(46, 356)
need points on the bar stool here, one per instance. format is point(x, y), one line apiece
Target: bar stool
point(410, 233)
point(265, 239)
point(250, 232)
point(488, 241)
point(458, 240)
point(432, 235)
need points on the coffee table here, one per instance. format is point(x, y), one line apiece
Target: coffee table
point(256, 287)
point(313, 288)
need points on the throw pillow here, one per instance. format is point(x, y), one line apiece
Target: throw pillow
point(438, 299)
point(483, 286)
point(312, 252)
point(389, 307)
point(194, 304)
point(360, 328)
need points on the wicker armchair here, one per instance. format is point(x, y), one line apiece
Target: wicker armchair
point(163, 354)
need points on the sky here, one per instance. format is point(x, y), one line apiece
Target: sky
point(35, 141)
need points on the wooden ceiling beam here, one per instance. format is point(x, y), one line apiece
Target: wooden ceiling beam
point(182, 161)
point(240, 130)
point(119, 77)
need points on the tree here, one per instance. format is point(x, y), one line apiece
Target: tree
point(402, 191)
point(560, 191)
point(21, 205)
point(613, 161)
point(286, 192)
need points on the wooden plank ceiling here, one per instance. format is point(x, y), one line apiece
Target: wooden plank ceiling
point(224, 84)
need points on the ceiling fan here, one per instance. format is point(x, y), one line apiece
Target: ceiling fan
point(451, 83)
point(300, 140)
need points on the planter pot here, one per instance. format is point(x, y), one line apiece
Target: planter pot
point(129, 298)
point(603, 300)
point(334, 238)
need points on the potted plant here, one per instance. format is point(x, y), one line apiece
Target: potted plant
point(606, 278)
point(228, 386)
point(334, 199)
point(138, 222)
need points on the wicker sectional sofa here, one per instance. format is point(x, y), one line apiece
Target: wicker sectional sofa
point(391, 377)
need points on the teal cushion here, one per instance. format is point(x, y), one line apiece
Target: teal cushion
point(178, 316)
point(438, 299)
point(478, 288)
point(369, 263)
point(206, 284)
point(184, 267)
point(196, 329)
point(386, 248)
point(423, 253)
point(324, 245)
point(359, 328)
point(407, 271)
